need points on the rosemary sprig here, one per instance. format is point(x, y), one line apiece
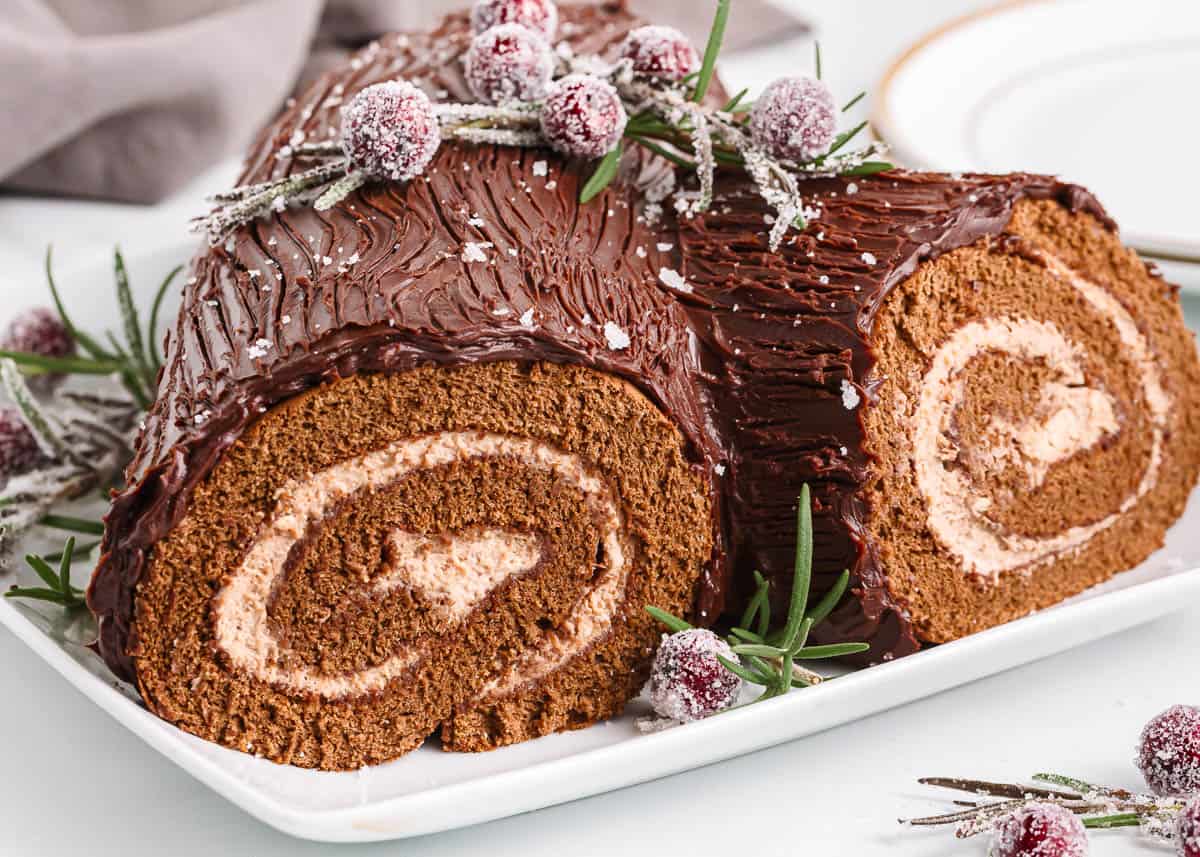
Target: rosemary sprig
point(58, 589)
point(769, 659)
point(86, 440)
point(136, 361)
point(1100, 807)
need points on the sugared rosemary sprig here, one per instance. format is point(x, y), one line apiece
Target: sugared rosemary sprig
point(1099, 807)
point(672, 122)
point(86, 440)
point(58, 589)
point(136, 361)
point(666, 117)
point(768, 658)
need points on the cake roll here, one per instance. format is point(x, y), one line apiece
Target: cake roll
point(419, 462)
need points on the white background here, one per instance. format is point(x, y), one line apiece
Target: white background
point(74, 782)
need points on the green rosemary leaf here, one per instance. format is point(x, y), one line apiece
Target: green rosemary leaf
point(37, 593)
point(742, 672)
point(747, 636)
point(88, 344)
point(605, 172)
point(152, 326)
point(840, 141)
point(802, 569)
point(830, 599)
point(43, 569)
point(868, 168)
point(715, 36)
point(732, 104)
point(796, 643)
point(1121, 819)
point(785, 673)
point(1080, 786)
point(674, 623)
point(833, 650)
point(854, 101)
point(651, 124)
point(64, 565)
point(760, 649)
point(724, 156)
point(129, 376)
point(73, 525)
point(81, 551)
point(663, 152)
point(129, 315)
point(750, 614)
point(61, 365)
point(764, 609)
point(764, 668)
point(753, 607)
point(817, 57)
point(139, 360)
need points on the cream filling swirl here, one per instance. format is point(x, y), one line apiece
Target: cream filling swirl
point(457, 572)
point(1070, 418)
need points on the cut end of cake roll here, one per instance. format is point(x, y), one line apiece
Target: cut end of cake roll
point(469, 548)
point(1036, 426)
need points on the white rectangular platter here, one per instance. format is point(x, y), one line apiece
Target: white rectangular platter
point(430, 791)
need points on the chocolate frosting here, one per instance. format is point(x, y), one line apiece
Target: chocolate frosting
point(490, 256)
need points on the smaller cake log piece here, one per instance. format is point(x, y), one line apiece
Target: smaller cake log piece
point(997, 405)
point(438, 546)
point(1037, 424)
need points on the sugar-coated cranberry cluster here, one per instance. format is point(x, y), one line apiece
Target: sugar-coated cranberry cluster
point(390, 129)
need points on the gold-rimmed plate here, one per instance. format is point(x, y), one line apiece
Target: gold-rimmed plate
point(1100, 92)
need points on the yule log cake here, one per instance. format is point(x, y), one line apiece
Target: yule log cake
point(425, 449)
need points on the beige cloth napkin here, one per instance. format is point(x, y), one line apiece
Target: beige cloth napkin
point(128, 99)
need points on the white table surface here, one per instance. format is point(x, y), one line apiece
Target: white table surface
point(74, 782)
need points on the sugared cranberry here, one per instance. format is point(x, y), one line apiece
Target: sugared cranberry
point(1040, 830)
point(794, 118)
point(1169, 752)
point(660, 52)
point(541, 16)
point(1187, 830)
point(509, 62)
point(39, 331)
point(687, 682)
point(390, 130)
point(583, 116)
point(18, 448)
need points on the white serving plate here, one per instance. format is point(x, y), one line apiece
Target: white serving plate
point(1093, 90)
point(430, 791)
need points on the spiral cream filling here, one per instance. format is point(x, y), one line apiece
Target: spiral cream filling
point(1070, 418)
point(455, 572)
